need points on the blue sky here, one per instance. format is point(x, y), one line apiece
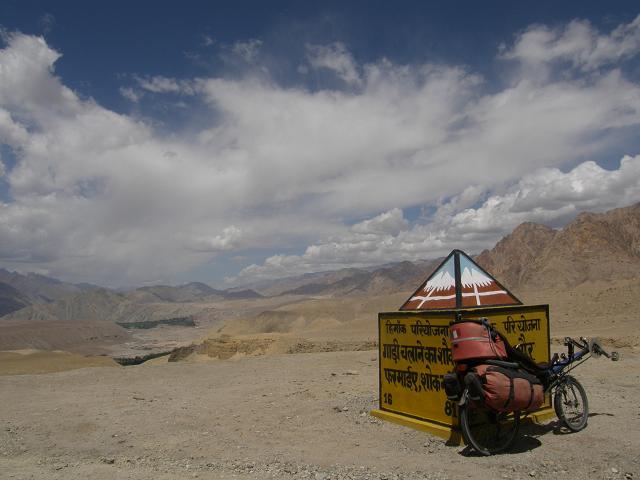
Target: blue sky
point(108, 40)
point(150, 142)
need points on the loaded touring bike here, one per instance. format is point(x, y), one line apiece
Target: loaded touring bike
point(496, 385)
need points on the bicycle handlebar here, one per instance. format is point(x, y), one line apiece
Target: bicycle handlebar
point(598, 350)
point(586, 347)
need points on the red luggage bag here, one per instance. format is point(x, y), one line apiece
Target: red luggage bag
point(472, 340)
point(509, 390)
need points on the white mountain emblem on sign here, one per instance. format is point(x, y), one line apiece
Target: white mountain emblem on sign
point(475, 287)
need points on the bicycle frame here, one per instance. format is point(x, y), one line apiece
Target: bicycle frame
point(558, 369)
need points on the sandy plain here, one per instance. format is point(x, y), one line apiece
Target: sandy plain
point(283, 416)
point(290, 398)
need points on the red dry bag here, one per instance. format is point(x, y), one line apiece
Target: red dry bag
point(474, 340)
point(506, 389)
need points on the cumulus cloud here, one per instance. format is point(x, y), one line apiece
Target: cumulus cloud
point(12, 132)
point(390, 222)
point(229, 239)
point(337, 58)
point(551, 197)
point(412, 135)
point(546, 196)
point(100, 196)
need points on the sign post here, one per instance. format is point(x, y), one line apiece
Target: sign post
point(414, 352)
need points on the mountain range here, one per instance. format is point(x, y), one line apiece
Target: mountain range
point(18, 291)
point(194, 291)
point(46, 298)
point(40, 288)
point(593, 247)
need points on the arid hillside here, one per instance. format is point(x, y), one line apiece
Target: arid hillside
point(11, 299)
point(40, 288)
point(592, 248)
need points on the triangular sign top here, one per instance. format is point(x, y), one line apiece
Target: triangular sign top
point(459, 283)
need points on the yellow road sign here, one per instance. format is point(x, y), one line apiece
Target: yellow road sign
point(415, 353)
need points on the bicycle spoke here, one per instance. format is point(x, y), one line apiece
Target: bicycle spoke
point(489, 432)
point(571, 402)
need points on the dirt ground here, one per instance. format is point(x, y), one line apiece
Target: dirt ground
point(21, 362)
point(303, 416)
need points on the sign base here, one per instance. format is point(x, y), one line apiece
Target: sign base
point(442, 431)
point(452, 435)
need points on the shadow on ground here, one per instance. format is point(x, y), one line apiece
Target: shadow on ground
point(527, 437)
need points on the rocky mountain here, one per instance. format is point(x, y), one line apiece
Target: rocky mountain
point(510, 260)
point(196, 291)
point(392, 277)
point(244, 294)
point(97, 305)
point(11, 299)
point(40, 288)
point(279, 286)
point(593, 247)
point(182, 293)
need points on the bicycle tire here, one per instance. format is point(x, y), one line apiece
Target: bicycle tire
point(486, 430)
point(571, 404)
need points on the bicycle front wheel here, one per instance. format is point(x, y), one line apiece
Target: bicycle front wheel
point(486, 430)
point(571, 405)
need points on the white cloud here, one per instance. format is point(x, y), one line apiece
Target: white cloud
point(248, 50)
point(578, 43)
point(413, 135)
point(99, 196)
point(160, 84)
point(47, 22)
point(241, 54)
point(27, 83)
point(130, 94)
point(337, 58)
point(390, 222)
point(546, 196)
point(11, 132)
point(208, 41)
point(229, 239)
point(552, 197)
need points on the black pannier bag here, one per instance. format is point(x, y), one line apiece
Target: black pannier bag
point(452, 386)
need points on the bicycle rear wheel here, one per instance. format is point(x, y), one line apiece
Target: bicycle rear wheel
point(571, 405)
point(486, 430)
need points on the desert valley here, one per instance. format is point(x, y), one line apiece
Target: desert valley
point(276, 379)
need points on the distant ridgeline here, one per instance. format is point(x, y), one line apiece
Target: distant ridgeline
point(180, 321)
